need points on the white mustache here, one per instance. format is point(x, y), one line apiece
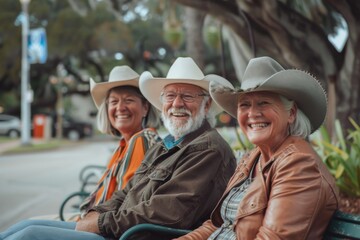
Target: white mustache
point(179, 111)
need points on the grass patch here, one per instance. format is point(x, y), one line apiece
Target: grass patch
point(7, 139)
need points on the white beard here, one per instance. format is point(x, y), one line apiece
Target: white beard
point(176, 129)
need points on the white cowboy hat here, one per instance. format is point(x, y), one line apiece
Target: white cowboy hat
point(119, 76)
point(183, 70)
point(265, 74)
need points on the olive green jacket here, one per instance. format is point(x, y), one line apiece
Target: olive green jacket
point(177, 187)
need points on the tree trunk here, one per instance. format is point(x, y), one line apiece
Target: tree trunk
point(347, 85)
point(194, 21)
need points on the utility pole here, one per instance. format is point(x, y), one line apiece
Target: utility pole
point(25, 69)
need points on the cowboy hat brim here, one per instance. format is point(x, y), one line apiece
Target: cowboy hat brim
point(99, 90)
point(295, 85)
point(152, 87)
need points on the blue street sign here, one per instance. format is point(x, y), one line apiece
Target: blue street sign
point(37, 46)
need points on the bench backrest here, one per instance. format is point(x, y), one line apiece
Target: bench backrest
point(343, 226)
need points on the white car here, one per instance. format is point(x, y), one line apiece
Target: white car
point(10, 126)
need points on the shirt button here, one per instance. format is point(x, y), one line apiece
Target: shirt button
point(227, 223)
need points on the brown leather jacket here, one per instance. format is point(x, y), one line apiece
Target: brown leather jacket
point(294, 199)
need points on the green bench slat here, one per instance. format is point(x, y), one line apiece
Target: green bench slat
point(343, 226)
point(153, 228)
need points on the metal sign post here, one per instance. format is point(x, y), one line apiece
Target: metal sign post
point(25, 68)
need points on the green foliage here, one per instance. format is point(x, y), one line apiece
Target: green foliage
point(8, 100)
point(237, 140)
point(243, 144)
point(84, 36)
point(174, 37)
point(342, 157)
point(212, 37)
point(67, 34)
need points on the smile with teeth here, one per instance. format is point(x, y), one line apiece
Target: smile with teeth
point(179, 112)
point(258, 125)
point(175, 114)
point(119, 117)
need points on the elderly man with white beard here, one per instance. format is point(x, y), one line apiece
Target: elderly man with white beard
point(181, 178)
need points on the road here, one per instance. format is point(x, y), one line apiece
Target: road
point(35, 184)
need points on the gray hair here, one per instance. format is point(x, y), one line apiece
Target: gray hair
point(301, 127)
point(152, 120)
point(210, 116)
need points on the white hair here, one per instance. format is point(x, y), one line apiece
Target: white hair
point(301, 127)
point(210, 116)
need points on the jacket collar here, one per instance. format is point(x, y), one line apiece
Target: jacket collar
point(244, 168)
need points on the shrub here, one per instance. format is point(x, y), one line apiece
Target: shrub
point(342, 156)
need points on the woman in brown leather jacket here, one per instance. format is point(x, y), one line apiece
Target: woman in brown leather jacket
point(281, 189)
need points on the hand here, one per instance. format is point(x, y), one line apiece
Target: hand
point(89, 223)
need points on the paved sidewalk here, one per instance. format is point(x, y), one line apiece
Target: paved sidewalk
point(6, 146)
point(9, 145)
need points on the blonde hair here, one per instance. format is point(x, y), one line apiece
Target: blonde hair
point(152, 119)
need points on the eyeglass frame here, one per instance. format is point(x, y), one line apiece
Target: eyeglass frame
point(182, 96)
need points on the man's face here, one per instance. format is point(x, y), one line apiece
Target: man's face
point(184, 108)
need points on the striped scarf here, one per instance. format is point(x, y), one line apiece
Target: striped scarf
point(114, 177)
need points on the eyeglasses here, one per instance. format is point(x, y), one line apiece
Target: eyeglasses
point(169, 97)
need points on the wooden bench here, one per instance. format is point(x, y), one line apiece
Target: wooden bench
point(342, 226)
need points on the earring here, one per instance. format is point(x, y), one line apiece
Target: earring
point(143, 122)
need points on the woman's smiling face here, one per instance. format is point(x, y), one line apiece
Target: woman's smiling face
point(263, 118)
point(126, 109)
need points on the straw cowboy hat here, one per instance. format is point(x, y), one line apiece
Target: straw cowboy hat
point(183, 70)
point(119, 76)
point(265, 74)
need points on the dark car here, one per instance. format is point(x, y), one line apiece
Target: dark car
point(73, 129)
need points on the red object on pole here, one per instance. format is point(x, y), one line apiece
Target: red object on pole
point(39, 126)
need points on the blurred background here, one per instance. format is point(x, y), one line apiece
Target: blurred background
point(49, 49)
point(71, 41)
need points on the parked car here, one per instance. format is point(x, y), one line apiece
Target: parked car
point(10, 126)
point(73, 129)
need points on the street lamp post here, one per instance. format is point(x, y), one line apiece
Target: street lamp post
point(25, 68)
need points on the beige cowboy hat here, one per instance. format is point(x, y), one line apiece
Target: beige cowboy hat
point(119, 76)
point(183, 70)
point(265, 74)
